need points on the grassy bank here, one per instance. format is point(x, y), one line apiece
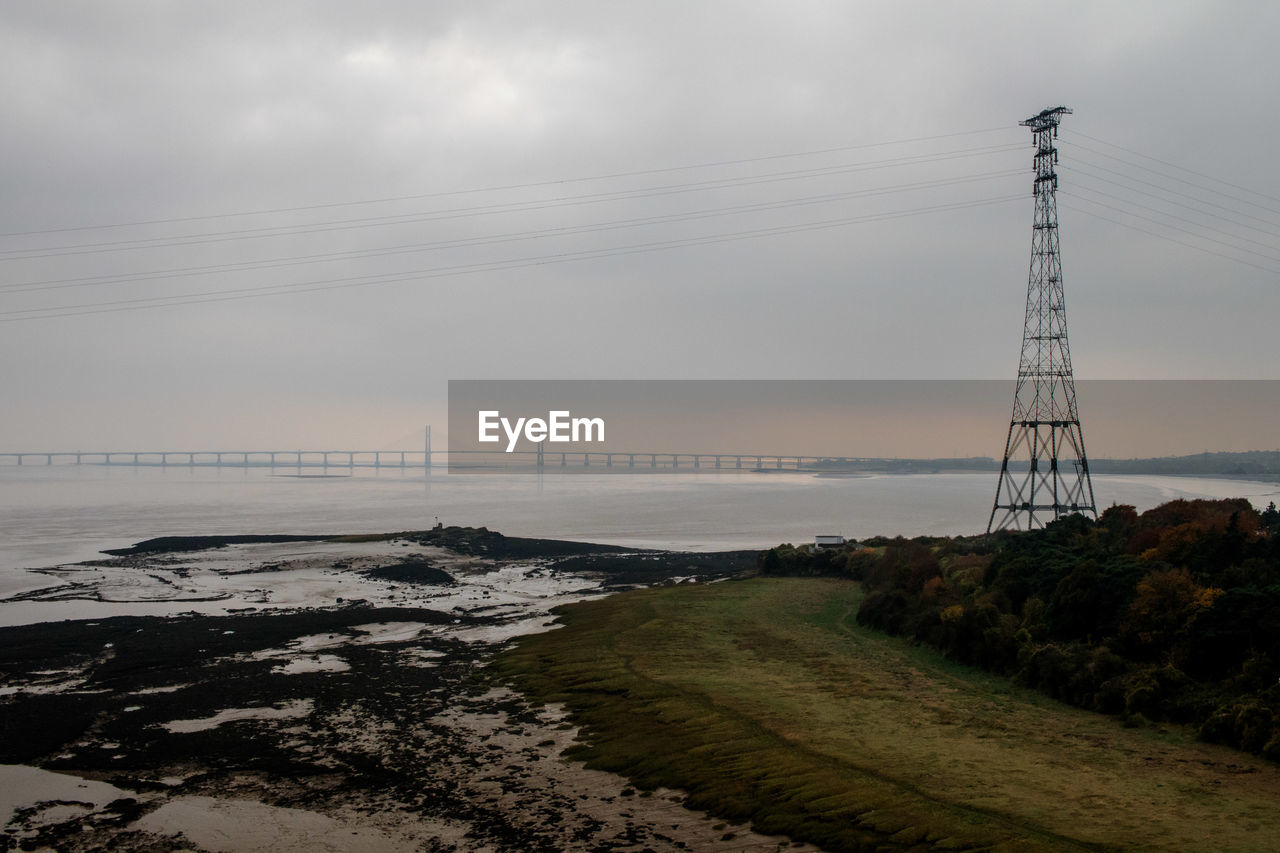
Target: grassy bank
point(765, 700)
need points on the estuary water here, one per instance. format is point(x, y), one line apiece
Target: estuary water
point(65, 513)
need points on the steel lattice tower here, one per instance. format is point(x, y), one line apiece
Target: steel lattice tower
point(1045, 473)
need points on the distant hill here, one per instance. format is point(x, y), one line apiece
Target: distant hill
point(1248, 465)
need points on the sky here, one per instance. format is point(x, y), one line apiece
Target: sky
point(245, 225)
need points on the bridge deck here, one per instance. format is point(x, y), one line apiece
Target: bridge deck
point(483, 459)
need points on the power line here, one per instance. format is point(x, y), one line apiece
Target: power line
point(1147, 193)
point(1180, 168)
point(504, 187)
point(492, 266)
point(1174, 227)
point(638, 193)
point(510, 207)
point(1167, 238)
point(1179, 180)
point(1180, 218)
point(487, 240)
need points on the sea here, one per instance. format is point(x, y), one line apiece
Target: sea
point(56, 514)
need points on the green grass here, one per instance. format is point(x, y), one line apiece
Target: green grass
point(764, 700)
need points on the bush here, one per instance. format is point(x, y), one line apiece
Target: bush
point(1171, 614)
point(1249, 725)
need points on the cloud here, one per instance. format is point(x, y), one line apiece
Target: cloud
point(540, 152)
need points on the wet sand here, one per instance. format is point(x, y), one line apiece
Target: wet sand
point(278, 717)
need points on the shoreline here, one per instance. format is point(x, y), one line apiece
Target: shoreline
point(367, 722)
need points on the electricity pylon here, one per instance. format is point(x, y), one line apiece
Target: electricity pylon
point(1045, 473)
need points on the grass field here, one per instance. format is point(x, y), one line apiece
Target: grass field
point(764, 700)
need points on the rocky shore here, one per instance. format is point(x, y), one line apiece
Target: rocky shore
point(327, 694)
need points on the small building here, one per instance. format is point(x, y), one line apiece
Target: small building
point(826, 542)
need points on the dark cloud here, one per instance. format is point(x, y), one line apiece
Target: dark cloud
point(127, 112)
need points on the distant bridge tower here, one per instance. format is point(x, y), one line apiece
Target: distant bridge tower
point(1045, 473)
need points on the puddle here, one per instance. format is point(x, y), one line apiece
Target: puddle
point(287, 711)
point(316, 663)
point(237, 826)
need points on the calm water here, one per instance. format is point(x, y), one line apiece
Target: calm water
point(50, 515)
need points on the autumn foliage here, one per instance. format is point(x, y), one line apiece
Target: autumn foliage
point(1172, 614)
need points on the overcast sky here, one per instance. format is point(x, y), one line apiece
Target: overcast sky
point(427, 191)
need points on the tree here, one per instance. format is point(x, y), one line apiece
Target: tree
point(1271, 519)
point(1167, 601)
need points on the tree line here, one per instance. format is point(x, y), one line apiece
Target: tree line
point(1171, 614)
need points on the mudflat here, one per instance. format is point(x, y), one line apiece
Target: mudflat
point(278, 717)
